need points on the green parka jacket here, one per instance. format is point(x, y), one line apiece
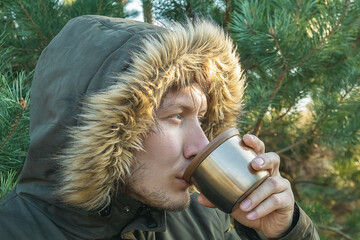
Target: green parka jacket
point(93, 97)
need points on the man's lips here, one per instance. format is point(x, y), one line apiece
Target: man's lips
point(184, 182)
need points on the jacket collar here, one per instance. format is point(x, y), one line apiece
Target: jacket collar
point(138, 215)
point(124, 215)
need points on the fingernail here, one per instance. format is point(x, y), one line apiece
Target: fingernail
point(252, 215)
point(259, 161)
point(245, 204)
point(252, 137)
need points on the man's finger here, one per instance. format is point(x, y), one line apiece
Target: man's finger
point(271, 204)
point(271, 186)
point(254, 142)
point(268, 161)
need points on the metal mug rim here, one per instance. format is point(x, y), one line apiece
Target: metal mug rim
point(200, 157)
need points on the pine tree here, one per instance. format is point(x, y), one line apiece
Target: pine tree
point(302, 64)
point(181, 10)
point(296, 52)
point(293, 51)
point(14, 123)
point(28, 26)
point(147, 11)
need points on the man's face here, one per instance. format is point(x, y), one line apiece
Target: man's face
point(157, 179)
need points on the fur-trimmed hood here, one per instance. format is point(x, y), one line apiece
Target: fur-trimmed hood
point(93, 98)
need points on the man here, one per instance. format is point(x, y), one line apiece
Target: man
point(119, 109)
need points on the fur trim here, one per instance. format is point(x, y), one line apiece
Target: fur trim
point(114, 122)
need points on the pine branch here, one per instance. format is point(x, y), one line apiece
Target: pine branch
point(273, 94)
point(309, 182)
point(227, 13)
point(100, 6)
point(188, 10)
point(297, 14)
point(285, 113)
point(43, 7)
point(309, 134)
point(340, 61)
point(277, 45)
point(319, 122)
point(147, 10)
point(356, 41)
point(283, 74)
point(335, 230)
point(346, 57)
point(45, 12)
point(15, 124)
point(7, 182)
point(249, 28)
point(326, 38)
point(28, 16)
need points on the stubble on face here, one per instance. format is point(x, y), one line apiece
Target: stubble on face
point(157, 173)
point(155, 197)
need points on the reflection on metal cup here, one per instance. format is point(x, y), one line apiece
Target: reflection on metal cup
point(222, 171)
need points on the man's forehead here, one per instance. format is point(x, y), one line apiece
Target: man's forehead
point(191, 96)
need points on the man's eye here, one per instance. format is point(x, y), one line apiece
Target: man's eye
point(201, 120)
point(177, 117)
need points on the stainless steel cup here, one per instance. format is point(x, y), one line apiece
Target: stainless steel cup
point(222, 171)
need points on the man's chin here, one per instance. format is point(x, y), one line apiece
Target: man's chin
point(160, 200)
point(177, 204)
point(178, 207)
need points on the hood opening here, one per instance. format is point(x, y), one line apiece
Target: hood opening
point(117, 71)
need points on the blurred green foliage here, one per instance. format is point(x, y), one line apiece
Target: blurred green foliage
point(302, 64)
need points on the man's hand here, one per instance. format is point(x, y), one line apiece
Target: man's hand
point(269, 208)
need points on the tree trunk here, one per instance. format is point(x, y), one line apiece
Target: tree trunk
point(147, 10)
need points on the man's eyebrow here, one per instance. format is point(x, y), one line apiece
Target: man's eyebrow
point(183, 105)
point(186, 106)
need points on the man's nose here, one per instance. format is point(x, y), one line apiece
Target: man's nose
point(195, 141)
